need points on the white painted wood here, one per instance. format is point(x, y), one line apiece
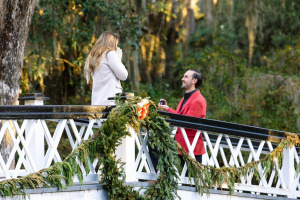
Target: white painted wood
point(52, 153)
point(126, 152)
point(36, 144)
point(289, 170)
point(256, 155)
point(74, 195)
point(100, 194)
point(140, 166)
point(143, 159)
point(22, 153)
point(214, 150)
point(25, 148)
point(33, 102)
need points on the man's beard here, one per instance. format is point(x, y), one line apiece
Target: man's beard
point(185, 86)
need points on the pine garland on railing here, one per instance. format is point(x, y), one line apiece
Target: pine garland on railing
point(206, 176)
point(52, 176)
point(128, 114)
point(103, 144)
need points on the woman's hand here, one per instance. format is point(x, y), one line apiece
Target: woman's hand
point(119, 52)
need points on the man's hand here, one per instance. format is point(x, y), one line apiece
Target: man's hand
point(162, 107)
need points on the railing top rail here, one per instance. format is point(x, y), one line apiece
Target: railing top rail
point(54, 112)
point(92, 112)
point(229, 128)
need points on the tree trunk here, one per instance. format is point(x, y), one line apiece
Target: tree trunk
point(208, 12)
point(190, 18)
point(15, 18)
point(135, 71)
point(230, 9)
point(251, 24)
point(170, 45)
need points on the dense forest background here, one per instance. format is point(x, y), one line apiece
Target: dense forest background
point(247, 50)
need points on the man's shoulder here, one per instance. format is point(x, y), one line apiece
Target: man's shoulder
point(199, 96)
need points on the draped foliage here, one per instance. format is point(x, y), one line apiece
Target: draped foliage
point(102, 146)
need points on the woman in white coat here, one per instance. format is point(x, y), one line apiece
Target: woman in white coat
point(106, 68)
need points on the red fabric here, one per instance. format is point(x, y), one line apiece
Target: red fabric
point(195, 107)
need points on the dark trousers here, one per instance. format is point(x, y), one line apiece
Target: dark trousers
point(197, 157)
point(153, 155)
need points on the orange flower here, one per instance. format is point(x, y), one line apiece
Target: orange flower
point(143, 108)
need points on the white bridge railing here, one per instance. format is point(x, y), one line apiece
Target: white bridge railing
point(41, 138)
point(36, 144)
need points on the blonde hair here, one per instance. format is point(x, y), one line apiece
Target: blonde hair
point(107, 42)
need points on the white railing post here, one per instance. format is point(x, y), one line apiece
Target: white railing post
point(126, 151)
point(36, 145)
point(288, 170)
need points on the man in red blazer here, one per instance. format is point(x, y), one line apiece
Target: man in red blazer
point(192, 104)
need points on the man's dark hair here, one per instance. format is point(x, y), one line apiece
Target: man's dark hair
point(197, 75)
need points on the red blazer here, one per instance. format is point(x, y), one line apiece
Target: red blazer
point(195, 106)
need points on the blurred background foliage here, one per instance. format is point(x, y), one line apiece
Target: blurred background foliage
point(248, 52)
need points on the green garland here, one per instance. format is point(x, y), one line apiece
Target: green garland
point(103, 144)
point(112, 132)
point(206, 177)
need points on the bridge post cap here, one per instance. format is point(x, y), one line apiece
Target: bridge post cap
point(33, 96)
point(123, 95)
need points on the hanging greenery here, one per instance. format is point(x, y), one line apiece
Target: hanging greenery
point(134, 113)
point(206, 176)
point(139, 113)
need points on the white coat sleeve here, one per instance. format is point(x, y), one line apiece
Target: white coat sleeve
point(114, 62)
